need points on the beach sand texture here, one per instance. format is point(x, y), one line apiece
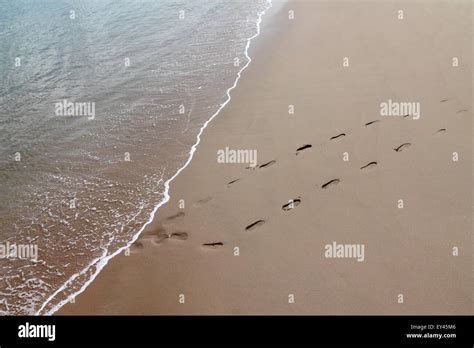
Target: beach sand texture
point(368, 161)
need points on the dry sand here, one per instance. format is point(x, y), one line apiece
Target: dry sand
point(408, 251)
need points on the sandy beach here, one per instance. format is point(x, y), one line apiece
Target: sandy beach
point(331, 170)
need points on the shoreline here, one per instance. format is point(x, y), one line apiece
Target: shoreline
point(197, 244)
point(101, 262)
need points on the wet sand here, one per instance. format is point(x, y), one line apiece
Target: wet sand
point(237, 247)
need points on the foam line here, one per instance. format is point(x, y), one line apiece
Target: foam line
point(103, 260)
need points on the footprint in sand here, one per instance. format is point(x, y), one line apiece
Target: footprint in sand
point(338, 136)
point(175, 236)
point(264, 165)
point(137, 246)
point(330, 183)
point(213, 245)
point(175, 216)
point(443, 100)
point(157, 236)
point(440, 131)
point(402, 147)
point(461, 111)
point(178, 235)
point(160, 235)
point(201, 202)
point(268, 164)
point(168, 220)
point(233, 182)
point(371, 122)
point(158, 240)
point(291, 204)
point(254, 225)
point(369, 165)
point(304, 147)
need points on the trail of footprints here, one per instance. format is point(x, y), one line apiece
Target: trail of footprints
point(334, 182)
point(292, 204)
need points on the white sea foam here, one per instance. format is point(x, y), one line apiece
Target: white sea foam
point(100, 262)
